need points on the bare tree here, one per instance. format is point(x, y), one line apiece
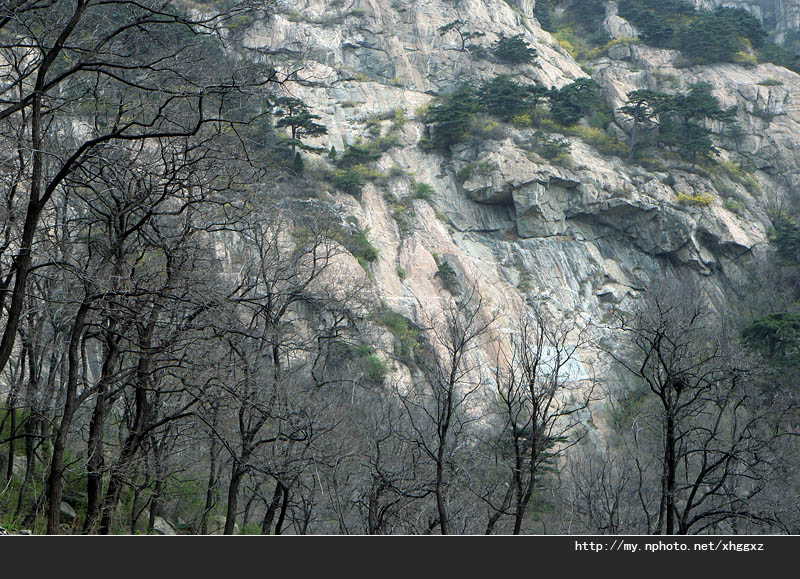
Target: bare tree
point(441, 406)
point(542, 389)
point(717, 443)
point(79, 74)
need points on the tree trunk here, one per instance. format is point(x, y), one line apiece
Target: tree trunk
point(284, 508)
point(70, 406)
point(95, 448)
point(211, 489)
point(141, 424)
point(671, 467)
point(272, 508)
point(237, 474)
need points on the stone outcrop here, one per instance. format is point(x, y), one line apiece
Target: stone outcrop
point(577, 236)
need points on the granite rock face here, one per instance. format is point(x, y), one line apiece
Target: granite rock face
point(579, 235)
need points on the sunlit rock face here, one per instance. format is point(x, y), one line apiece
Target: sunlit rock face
point(579, 236)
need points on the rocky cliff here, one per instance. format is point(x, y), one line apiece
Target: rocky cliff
point(579, 236)
point(781, 15)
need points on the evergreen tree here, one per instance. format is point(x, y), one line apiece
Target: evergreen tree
point(641, 107)
point(504, 98)
point(449, 118)
point(710, 39)
point(657, 22)
point(297, 165)
point(786, 239)
point(513, 50)
point(457, 26)
point(776, 335)
point(682, 119)
point(295, 114)
point(574, 101)
point(357, 154)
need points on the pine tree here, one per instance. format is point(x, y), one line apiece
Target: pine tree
point(450, 117)
point(504, 98)
point(682, 119)
point(641, 107)
point(295, 114)
point(457, 26)
point(513, 50)
point(297, 165)
point(574, 101)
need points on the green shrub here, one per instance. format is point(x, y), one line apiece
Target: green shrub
point(553, 148)
point(482, 168)
point(402, 214)
point(448, 275)
point(422, 190)
point(363, 250)
point(599, 139)
point(745, 59)
point(733, 206)
point(739, 174)
point(396, 171)
point(376, 370)
point(522, 121)
point(406, 335)
point(695, 199)
point(349, 180)
point(487, 129)
point(400, 117)
point(359, 246)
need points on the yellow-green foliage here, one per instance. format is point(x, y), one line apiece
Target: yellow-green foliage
point(485, 127)
point(745, 59)
point(739, 175)
point(599, 139)
point(542, 119)
point(422, 110)
point(627, 40)
point(579, 49)
point(400, 117)
point(600, 51)
point(567, 40)
point(522, 121)
point(695, 199)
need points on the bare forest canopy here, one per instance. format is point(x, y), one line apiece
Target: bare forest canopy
point(193, 340)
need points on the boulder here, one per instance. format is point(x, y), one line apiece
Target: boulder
point(162, 527)
point(67, 512)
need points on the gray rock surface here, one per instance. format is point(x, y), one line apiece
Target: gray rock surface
point(67, 512)
point(579, 236)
